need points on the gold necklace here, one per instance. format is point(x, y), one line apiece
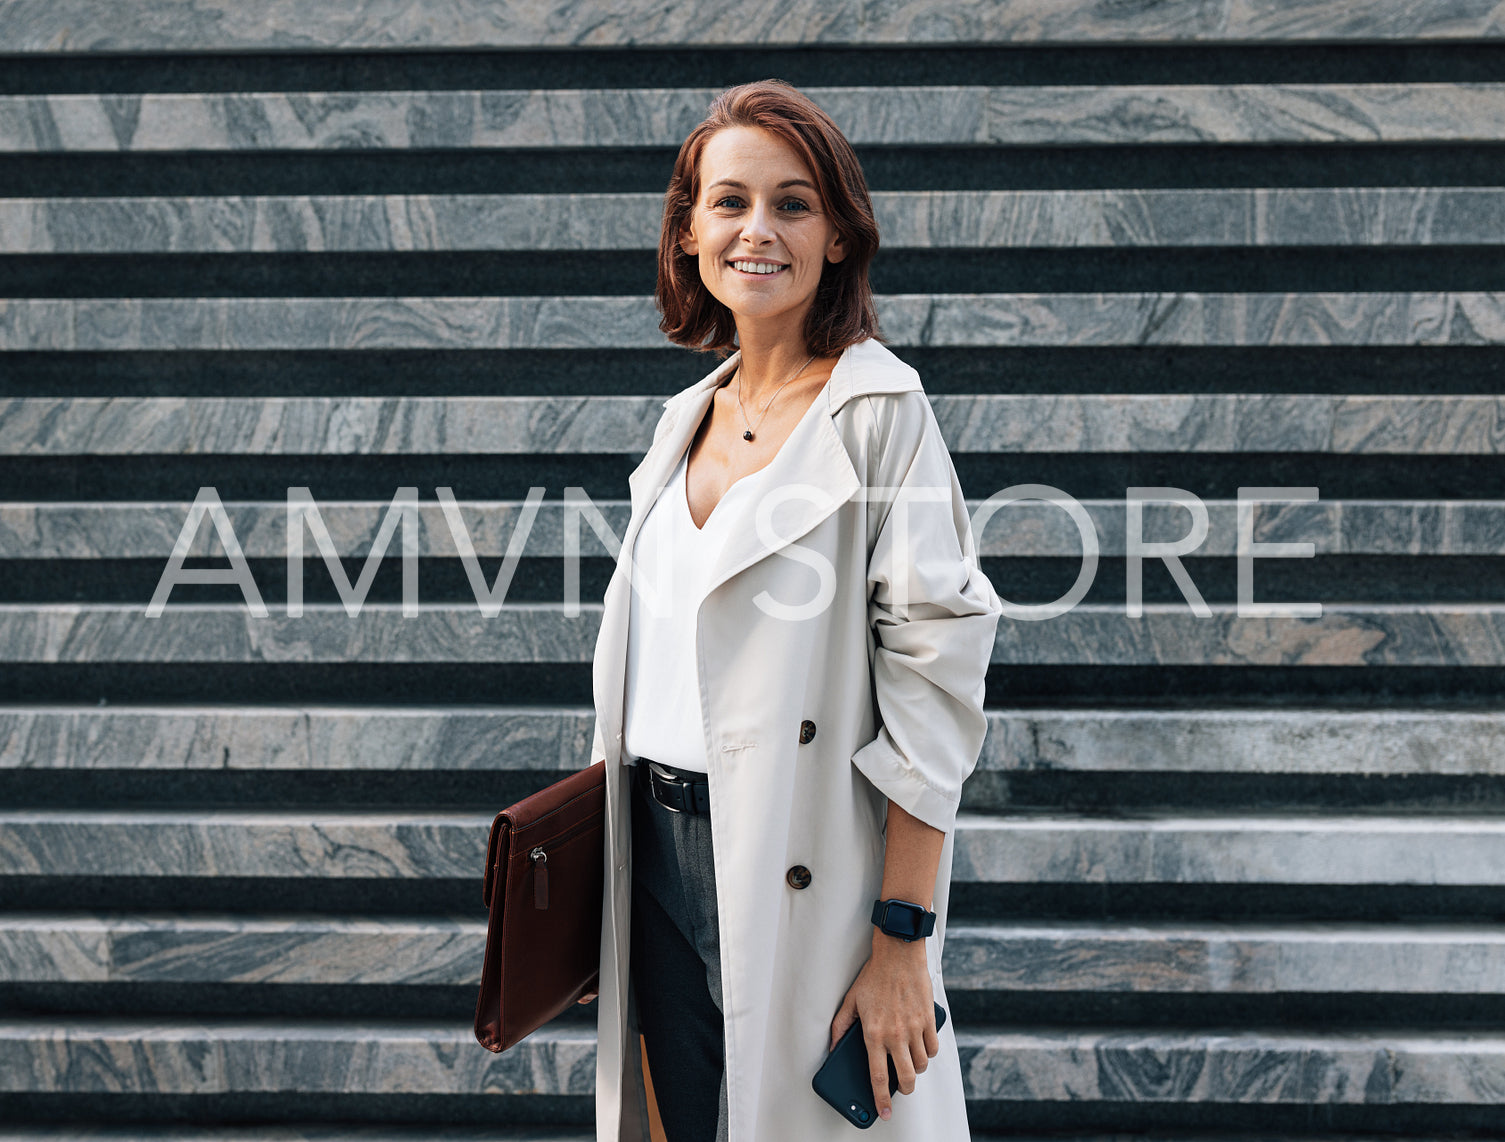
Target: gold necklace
point(748, 434)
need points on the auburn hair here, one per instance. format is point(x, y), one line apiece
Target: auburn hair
point(842, 311)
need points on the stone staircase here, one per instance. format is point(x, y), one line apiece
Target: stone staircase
point(1217, 876)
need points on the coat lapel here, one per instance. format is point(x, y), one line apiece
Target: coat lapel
point(813, 462)
point(809, 478)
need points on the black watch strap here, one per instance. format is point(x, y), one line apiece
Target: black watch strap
point(903, 919)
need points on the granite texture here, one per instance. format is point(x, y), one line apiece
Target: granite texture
point(263, 738)
point(606, 322)
point(1246, 113)
point(556, 740)
point(1345, 634)
point(1259, 217)
point(1248, 1067)
point(1183, 958)
point(241, 950)
point(1060, 848)
point(140, 953)
point(1363, 850)
point(324, 632)
point(391, 426)
point(1192, 319)
point(149, 530)
point(578, 322)
point(315, 1132)
point(1216, 422)
point(1015, 219)
point(1172, 1066)
point(123, 1056)
point(1286, 740)
point(1333, 527)
point(1081, 423)
point(662, 117)
point(1036, 956)
point(989, 849)
point(65, 26)
point(221, 843)
point(366, 223)
point(42, 530)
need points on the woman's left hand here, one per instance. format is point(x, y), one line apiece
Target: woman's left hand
point(893, 998)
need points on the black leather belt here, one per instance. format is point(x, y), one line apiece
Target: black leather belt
point(678, 790)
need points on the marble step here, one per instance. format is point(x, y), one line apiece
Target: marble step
point(320, 1132)
point(1167, 957)
point(1341, 424)
point(1344, 634)
point(1014, 219)
point(220, 1056)
point(230, 739)
point(611, 322)
point(990, 848)
point(1245, 1067)
point(66, 27)
point(662, 117)
point(150, 530)
point(1225, 958)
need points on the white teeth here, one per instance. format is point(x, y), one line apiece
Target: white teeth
point(757, 267)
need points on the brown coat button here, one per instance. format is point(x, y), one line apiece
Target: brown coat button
point(807, 731)
point(798, 876)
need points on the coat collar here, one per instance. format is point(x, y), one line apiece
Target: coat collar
point(862, 369)
point(814, 458)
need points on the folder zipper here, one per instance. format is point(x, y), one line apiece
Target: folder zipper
point(541, 864)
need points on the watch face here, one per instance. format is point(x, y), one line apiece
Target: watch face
point(903, 920)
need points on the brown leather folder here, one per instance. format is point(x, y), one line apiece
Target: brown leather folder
point(543, 889)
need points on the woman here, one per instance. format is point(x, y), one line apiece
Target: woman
point(789, 671)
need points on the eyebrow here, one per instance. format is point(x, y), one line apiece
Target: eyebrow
point(743, 186)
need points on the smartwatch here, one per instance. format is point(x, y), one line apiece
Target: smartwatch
point(903, 918)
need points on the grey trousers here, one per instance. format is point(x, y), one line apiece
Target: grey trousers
point(676, 965)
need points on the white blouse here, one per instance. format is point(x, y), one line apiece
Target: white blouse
point(663, 718)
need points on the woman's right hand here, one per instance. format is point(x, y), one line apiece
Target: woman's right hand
point(588, 998)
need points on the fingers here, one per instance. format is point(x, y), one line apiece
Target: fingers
point(588, 998)
point(846, 1014)
point(905, 1059)
point(877, 1068)
point(904, 1067)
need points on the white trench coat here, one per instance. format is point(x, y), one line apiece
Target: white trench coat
point(895, 696)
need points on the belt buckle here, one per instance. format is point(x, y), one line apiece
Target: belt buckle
point(667, 778)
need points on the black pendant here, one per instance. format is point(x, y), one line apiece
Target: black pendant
point(747, 435)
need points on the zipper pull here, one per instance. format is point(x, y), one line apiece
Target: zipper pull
point(540, 877)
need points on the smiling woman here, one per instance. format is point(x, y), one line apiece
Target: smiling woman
point(795, 769)
point(767, 178)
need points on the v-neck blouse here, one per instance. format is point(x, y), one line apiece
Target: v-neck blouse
point(674, 560)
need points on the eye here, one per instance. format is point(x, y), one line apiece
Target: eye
point(734, 202)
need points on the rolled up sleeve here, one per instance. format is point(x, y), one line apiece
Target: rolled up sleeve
point(933, 615)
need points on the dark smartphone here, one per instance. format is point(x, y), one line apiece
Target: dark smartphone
point(843, 1081)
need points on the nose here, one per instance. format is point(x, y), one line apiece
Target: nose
point(757, 227)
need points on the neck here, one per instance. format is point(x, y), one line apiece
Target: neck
point(767, 363)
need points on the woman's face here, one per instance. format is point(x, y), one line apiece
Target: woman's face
point(758, 228)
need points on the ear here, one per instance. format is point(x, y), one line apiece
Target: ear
point(837, 249)
point(688, 242)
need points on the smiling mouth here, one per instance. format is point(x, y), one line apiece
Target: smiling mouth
point(757, 269)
